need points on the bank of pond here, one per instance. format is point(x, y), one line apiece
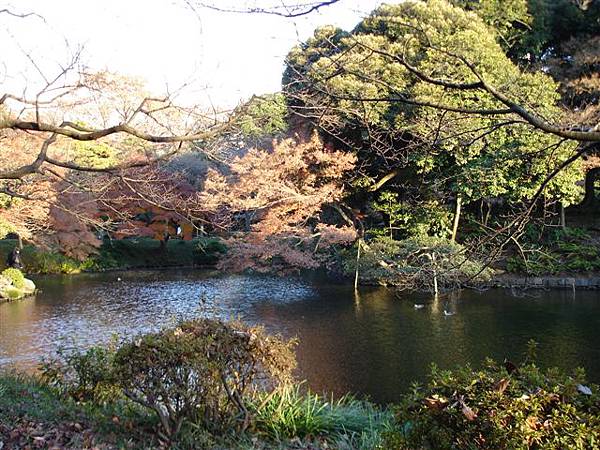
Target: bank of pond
point(105, 337)
point(206, 383)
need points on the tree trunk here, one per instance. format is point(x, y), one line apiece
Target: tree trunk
point(456, 217)
point(563, 220)
point(590, 194)
point(163, 243)
point(19, 242)
point(487, 213)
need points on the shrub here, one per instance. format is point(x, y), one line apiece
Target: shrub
point(208, 250)
point(15, 276)
point(40, 261)
point(12, 293)
point(554, 250)
point(413, 263)
point(204, 371)
point(84, 375)
point(494, 409)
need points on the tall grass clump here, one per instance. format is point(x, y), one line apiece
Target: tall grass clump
point(346, 422)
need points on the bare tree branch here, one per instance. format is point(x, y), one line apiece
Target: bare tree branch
point(284, 10)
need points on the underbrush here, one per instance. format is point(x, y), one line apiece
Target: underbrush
point(344, 423)
point(571, 250)
point(120, 254)
point(212, 384)
point(500, 406)
point(416, 263)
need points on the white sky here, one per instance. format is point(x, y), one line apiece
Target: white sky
point(164, 42)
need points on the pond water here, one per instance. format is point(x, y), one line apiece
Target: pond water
point(372, 344)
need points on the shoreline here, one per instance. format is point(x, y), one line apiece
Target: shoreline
point(587, 281)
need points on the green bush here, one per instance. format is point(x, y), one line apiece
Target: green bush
point(554, 251)
point(494, 409)
point(204, 371)
point(86, 375)
point(15, 276)
point(207, 250)
point(12, 293)
point(413, 263)
point(39, 261)
point(406, 219)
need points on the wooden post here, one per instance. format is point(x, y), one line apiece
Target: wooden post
point(563, 220)
point(456, 217)
point(435, 281)
point(357, 261)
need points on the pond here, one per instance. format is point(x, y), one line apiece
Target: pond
point(371, 344)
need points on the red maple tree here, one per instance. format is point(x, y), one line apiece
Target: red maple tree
point(271, 203)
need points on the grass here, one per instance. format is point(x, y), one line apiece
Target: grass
point(34, 414)
point(344, 423)
point(122, 254)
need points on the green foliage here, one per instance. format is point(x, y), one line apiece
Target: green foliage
point(98, 155)
point(413, 263)
point(5, 226)
point(30, 409)
point(289, 413)
point(492, 409)
point(554, 251)
point(448, 153)
point(264, 116)
point(204, 371)
point(39, 261)
point(207, 250)
point(12, 293)
point(121, 254)
point(15, 276)
point(428, 218)
point(144, 252)
point(511, 19)
point(83, 375)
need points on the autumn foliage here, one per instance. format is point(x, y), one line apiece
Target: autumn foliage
point(270, 202)
point(149, 202)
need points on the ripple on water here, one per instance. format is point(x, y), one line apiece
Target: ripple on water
point(372, 344)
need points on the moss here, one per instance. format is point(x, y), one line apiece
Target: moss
point(12, 293)
point(15, 276)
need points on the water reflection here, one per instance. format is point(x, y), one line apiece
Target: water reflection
point(370, 343)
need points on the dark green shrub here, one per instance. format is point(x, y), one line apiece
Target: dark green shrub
point(15, 276)
point(492, 409)
point(204, 371)
point(208, 250)
point(37, 260)
point(557, 250)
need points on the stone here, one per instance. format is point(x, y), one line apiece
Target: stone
point(29, 287)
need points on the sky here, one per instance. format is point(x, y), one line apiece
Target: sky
point(224, 57)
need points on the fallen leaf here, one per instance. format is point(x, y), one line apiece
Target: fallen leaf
point(435, 402)
point(466, 410)
point(501, 385)
point(532, 422)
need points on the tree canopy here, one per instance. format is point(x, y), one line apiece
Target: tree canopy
point(404, 85)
